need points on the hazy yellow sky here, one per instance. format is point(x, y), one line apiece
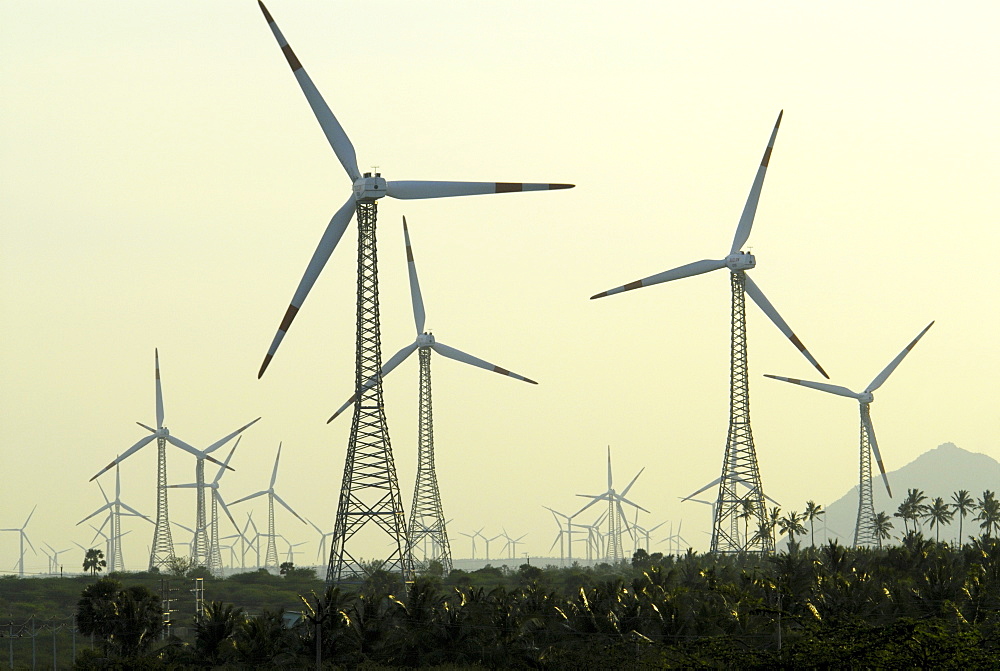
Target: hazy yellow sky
point(164, 184)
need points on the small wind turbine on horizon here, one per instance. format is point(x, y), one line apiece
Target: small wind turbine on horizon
point(616, 514)
point(22, 537)
point(162, 549)
point(210, 556)
point(865, 532)
point(114, 508)
point(741, 455)
point(271, 558)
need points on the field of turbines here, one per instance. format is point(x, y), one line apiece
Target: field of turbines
point(619, 497)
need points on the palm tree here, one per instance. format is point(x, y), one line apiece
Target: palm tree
point(963, 505)
point(989, 513)
point(883, 525)
point(915, 505)
point(813, 511)
point(938, 512)
point(791, 524)
point(748, 511)
point(93, 561)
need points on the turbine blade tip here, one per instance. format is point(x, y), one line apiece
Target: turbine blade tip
point(600, 295)
point(561, 186)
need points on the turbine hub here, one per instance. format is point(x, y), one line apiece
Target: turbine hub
point(425, 340)
point(162, 432)
point(740, 261)
point(368, 187)
point(866, 397)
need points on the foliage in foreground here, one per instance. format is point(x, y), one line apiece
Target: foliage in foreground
point(922, 604)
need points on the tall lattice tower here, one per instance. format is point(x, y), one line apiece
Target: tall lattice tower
point(427, 529)
point(740, 489)
point(865, 531)
point(369, 489)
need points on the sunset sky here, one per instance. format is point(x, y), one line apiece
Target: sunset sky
point(164, 184)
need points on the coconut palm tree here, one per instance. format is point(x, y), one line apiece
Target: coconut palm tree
point(883, 527)
point(813, 511)
point(791, 524)
point(915, 505)
point(989, 513)
point(748, 510)
point(963, 505)
point(938, 512)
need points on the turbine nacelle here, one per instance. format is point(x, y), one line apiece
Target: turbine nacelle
point(741, 261)
point(866, 397)
point(425, 340)
point(368, 187)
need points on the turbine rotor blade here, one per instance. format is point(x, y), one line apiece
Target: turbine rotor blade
point(874, 446)
point(415, 297)
point(274, 473)
point(635, 505)
point(884, 375)
point(458, 355)
point(288, 507)
point(760, 299)
point(222, 441)
point(247, 498)
point(225, 508)
point(713, 483)
point(829, 388)
point(334, 132)
point(331, 236)
point(625, 491)
point(127, 453)
point(414, 189)
point(689, 270)
point(750, 209)
point(159, 391)
point(396, 359)
point(225, 465)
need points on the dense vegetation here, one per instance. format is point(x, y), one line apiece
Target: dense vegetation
point(920, 604)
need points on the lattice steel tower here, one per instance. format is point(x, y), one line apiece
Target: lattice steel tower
point(865, 532)
point(740, 489)
point(427, 525)
point(369, 489)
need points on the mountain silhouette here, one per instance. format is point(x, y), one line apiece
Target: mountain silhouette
point(938, 472)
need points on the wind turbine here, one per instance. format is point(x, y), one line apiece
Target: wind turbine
point(511, 544)
point(488, 541)
point(473, 537)
point(23, 537)
point(54, 557)
point(365, 498)
point(321, 550)
point(162, 551)
point(210, 556)
point(427, 513)
point(616, 514)
point(114, 508)
point(865, 532)
point(271, 558)
point(741, 456)
point(568, 531)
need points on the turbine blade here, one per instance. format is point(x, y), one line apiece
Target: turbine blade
point(878, 455)
point(148, 428)
point(635, 505)
point(125, 455)
point(595, 500)
point(134, 511)
point(625, 491)
point(829, 388)
point(331, 236)
point(225, 508)
point(884, 375)
point(288, 507)
point(413, 189)
point(415, 297)
point(689, 270)
point(457, 355)
point(225, 464)
point(222, 441)
point(609, 469)
point(750, 209)
point(334, 132)
point(247, 498)
point(106, 499)
point(159, 391)
point(760, 299)
point(106, 506)
point(396, 359)
point(274, 473)
point(713, 483)
point(186, 485)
